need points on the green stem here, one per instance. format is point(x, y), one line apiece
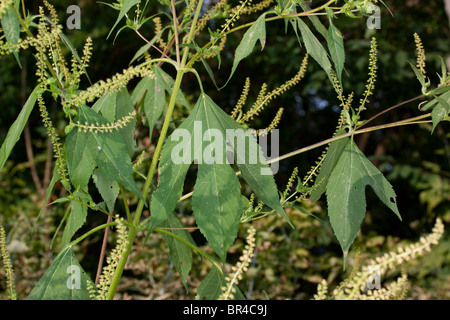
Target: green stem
point(87, 234)
point(134, 226)
point(125, 203)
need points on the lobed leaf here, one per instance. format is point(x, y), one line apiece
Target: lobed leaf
point(346, 193)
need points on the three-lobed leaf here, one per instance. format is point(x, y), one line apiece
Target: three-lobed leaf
point(346, 193)
point(206, 138)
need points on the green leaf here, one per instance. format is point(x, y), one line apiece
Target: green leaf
point(114, 107)
point(168, 83)
point(108, 189)
point(127, 5)
point(74, 51)
point(216, 199)
point(124, 106)
point(315, 20)
point(17, 127)
point(419, 75)
point(56, 177)
point(180, 253)
point(331, 158)
point(217, 205)
point(256, 32)
point(257, 174)
point(76, 218)
point(106, 106)
point(211, 287)
point(172, 174)
point(108, 149)
point(346, 193)
point(432, 103)
point(336, 47)
point(155, 98)
point(315, 48)
point(11, 28)
point(440, 111)
point(80, 160)
point(65, 279)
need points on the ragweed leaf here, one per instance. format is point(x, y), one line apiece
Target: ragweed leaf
point(180, 253)
point(335, 42)
point(331, 158)
point(126, 6)
point(440, 111)
point(11, 28)
point(17, 127)
point(346, 193)
point(315, 48)
point(64, 280)
point(216, 198)
point(256, 32)
point(107, 148)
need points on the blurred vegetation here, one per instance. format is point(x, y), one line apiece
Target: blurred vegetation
point(288, 263)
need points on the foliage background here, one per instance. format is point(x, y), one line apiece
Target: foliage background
point(289, 263)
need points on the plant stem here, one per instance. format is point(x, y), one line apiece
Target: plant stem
point(134, 226)
point(87, 234)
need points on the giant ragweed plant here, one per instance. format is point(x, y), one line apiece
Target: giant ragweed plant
point(98, 147)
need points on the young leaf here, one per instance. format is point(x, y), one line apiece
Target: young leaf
point(17, 127)
point(256, 32)
point(315, 48)
point(11, 28)
point(179, 252)
point(336, 47)
point(72, 49)
point(126, 6)
point(346, 193)
point(155, 98)
point(64, 280)
point(331, 158)
point(168, 84)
